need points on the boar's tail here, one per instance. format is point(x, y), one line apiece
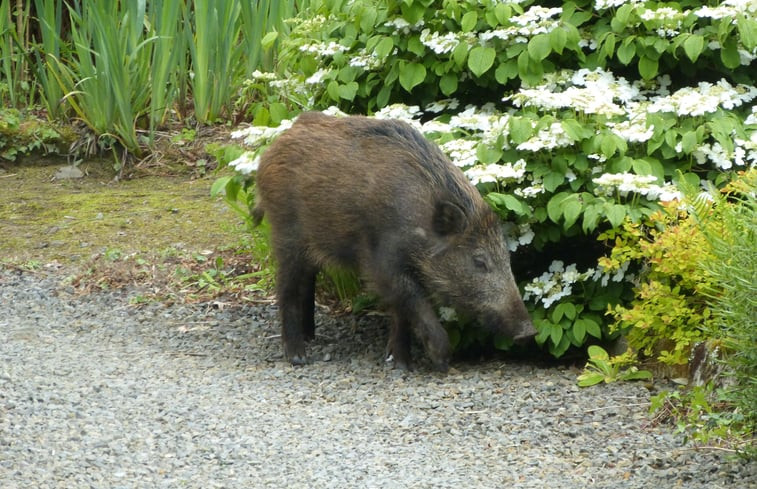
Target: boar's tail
point(257, 215)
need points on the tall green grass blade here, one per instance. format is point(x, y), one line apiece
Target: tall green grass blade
point(13, 63)
point(215, 51)
point(50, 19)
point(165, 18)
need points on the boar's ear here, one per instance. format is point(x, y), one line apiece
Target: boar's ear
point(449, 218)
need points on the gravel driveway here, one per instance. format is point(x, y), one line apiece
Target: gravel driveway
point(96, 392)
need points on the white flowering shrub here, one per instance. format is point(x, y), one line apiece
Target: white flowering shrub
point(570, 120)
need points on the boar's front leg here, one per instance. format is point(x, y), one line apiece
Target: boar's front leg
point(412, 311)
point(295, 294)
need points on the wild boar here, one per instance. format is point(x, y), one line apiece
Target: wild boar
point(378, 196)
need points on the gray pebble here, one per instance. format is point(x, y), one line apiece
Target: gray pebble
point(95, 392)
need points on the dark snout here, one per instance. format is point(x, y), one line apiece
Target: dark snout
point(520, 330)
point(526, 333)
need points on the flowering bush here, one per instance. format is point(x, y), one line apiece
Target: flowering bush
point(570, 120)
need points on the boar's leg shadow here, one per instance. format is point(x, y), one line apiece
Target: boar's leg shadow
point(296, 299)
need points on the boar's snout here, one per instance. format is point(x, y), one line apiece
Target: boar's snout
point(520, 330)
point(525, 334)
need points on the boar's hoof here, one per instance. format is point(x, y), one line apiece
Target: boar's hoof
point(399, 363)
point(298, 360)
point(442, 367)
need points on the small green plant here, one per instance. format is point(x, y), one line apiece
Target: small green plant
point(23, 134)
point(706, 416)
point(603, 368)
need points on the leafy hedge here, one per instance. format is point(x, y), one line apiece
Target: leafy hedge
point(570, 120)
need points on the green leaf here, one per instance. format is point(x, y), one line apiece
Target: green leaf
point(555, 206)
point(460, 54)
point(412, 75)
point(480, 59)
point(539, 47)
point(579, 331)
point(747, 26)
point(448, 84)
point(469, 21)
point(636, 375)
point(219, 184)
point(488, 155)
point(520, 129)
point(597, 353)
point(553, 180)
point(555, 333)
point(557, 39)
point(384, 47)
point(591, 218)
point(608, 145)
point(621, 17)
point(626, 51)
point(693, 46)
point(506, 71)
point(515, 205)
point(571, 210)
point(729, 54)
point(648, 67)
point(564, 309)
point(333, 90)
point(502, 12)
point(589, 379)
point(267, 41)
point(615, 213)
point(689, 142)
point(348, 90)
point(592, 327)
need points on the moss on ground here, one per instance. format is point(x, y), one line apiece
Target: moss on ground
point(72, 221)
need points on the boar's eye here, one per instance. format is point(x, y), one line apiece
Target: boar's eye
point(480, 263)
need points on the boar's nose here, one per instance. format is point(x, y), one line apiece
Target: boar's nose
point(526, 332)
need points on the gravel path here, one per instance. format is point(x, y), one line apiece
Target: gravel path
point(95, 392)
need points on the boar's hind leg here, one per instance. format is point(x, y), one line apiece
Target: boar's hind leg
point(296, 287)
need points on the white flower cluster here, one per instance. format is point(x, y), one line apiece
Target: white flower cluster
point(635, 128)
point(322, 49)
point(669, 20)
point(751, 118)
point(267, 76)
point(744, 153)
point(605, 4)
point(247, 163)
point(704, 98)
point(317, 77)
point(366, 60)
point(475, 119)
point(555, 95)
point(255, 136)
point(549, 138)
point(440, 44)
point(407, 113)
point(536, 188)
point(556, 283)
point(604, 276)
point(728, 9)
point(517, 235)
point(625, 183)
point(442, 105)
point(496, 172)
point(401, 26)
point(536, 20)
point(462, 152)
